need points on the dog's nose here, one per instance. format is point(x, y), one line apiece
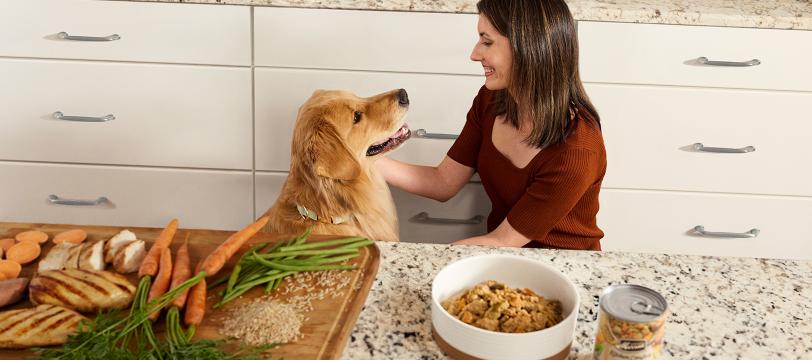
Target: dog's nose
point(403, 97)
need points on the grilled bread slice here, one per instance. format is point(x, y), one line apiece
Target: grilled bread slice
point(56, 258)
point(81, 290)
point(92, 257)
point(115, 243)
point(40, 326)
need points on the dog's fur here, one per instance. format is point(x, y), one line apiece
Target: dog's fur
point(330, 172)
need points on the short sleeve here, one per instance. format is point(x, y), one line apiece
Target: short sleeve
point(554, 192)
point(466, 148)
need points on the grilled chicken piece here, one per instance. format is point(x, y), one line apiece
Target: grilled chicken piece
point(56, 258)
point(81, 290)
point(11, 291)
point(73, 256)
point(115, 243)
point(92, 257)
point(41, 326)
point(130, 256)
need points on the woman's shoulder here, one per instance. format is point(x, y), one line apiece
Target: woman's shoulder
point(585, 135)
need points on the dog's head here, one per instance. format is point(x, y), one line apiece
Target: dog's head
point(337, 131)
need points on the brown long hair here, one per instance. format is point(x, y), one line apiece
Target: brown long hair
point(544, 78)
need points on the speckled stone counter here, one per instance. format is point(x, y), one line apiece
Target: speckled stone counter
point(770, 14)
point(721, 308)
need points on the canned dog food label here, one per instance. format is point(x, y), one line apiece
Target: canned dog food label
point(631, 323)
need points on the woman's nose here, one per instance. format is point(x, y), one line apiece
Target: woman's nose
point(475, 55)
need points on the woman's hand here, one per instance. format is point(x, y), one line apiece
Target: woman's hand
point(504, 235)
point(439, 183)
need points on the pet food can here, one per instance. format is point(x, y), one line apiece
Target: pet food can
point(631, 323)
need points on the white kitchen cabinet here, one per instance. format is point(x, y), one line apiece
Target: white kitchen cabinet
point(668, 55)
point(439, 104)
point(129, 31)
point(420, 219)
point(134, 196)
point(365, 40)
point(650, 132)
point(429, 221)
point(162, 115)
point(664, 222)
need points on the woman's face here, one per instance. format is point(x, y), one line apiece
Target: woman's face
point(493, 51)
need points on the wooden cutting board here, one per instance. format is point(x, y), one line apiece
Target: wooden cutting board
point(325, 329)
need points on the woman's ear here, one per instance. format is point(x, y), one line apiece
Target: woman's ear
point(330, 156)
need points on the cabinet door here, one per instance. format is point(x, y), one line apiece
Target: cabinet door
point(670, 55)
point(429, 221)
point(161, 115)
point(132, 196)
point(665, 222)
point(170, 33)
point(365, 40)
point(439, 104)
point(650, 132)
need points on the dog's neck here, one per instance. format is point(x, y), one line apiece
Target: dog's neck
point(364, 198)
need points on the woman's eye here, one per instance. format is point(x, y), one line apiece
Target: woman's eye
point(356, 117)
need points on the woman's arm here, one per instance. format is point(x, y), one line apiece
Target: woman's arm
point(439, 183)
point(503, 235)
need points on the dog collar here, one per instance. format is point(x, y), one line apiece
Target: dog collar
point(310, 214)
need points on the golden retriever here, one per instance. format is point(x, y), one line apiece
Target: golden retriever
point(332, 184)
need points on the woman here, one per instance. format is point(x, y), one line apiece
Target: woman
point(532, 134)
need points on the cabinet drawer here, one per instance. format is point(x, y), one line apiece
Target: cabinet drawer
point(165, 115)
point(650, 131)
point(365, 40)
point(174, 33)
point(136, 196)
point(663, 222)
point(427, 221)
point(667, 55)
point(439, 104)
point(268, 187)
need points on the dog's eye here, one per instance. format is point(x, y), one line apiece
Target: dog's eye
point(356, 117)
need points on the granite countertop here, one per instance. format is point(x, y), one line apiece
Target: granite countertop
point(726, 308)
point(769, 14)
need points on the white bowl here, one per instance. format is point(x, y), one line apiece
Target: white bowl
point(515, 272)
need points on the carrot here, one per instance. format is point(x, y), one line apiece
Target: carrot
point(149, 266)
point(10, 269)
point(196, 303)
point(36, 236)
point(217, 259)
point(7, 243)
point(161, 283)
point(23, 252)
point(74, 236)
point(181, 272)
point(3, 277)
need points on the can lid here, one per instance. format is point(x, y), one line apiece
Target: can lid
point(633, 303)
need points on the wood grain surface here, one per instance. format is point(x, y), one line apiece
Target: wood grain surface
point(326, 326)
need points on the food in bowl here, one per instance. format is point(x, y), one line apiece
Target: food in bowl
point(496, 307)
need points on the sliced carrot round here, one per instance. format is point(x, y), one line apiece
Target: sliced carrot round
point(7, 243)
point(74, 236)
point(23, 252)
point(2, 277)
point(10, 269)
point(37, 236)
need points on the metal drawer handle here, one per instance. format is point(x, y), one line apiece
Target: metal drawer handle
point(746, 149)
point(59, 115)
point(422, 133)
point(53, 199)
point(424, 218)
point(64, 36)
point(702, 232)
point(704, 61)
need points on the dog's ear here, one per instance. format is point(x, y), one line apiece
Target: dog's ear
point(331, 157)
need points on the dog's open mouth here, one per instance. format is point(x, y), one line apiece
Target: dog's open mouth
point(390, 143)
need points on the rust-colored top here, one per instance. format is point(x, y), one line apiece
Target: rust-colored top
point(554, 199)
